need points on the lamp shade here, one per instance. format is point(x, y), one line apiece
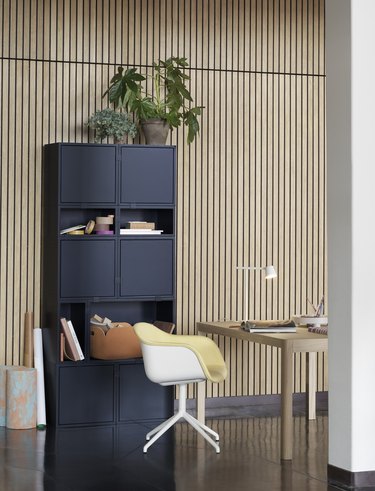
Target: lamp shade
point(270, 272)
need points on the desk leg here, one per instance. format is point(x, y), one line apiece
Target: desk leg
point(286, 402)
point(201, 402)
point(311, 385)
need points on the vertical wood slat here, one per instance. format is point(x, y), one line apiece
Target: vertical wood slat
point(251, 189)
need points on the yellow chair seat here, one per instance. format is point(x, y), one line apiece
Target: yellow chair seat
point(207, 352)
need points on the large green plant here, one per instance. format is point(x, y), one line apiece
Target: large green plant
point(168, 100)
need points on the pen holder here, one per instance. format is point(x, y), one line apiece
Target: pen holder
point(310, 320)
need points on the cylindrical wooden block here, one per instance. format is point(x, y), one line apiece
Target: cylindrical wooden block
point(21, 398)
point(3, 377)
point(101, 227)
point(104, 220)
point(28, 349)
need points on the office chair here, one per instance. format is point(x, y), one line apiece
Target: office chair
point(179, 360)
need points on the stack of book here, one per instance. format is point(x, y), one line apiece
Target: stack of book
point(318, 329)
point(269, 326)
point(140, 228)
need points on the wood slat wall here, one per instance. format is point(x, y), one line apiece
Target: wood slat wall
point(251, 189)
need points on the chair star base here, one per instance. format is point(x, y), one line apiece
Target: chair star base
point(157, 432)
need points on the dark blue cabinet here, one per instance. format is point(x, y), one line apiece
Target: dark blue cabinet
point(79, 389)
point(125, 278)
point(147, 267)
point(147, 175)
point(87, 268)
point(88, 173)
point(131, 388)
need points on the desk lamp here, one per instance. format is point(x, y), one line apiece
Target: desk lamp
point(270, 273)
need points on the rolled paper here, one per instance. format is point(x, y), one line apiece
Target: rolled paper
point(3, 378)
point(21, 398)
point(38, 363)
point(28, 352)
point(89, 227)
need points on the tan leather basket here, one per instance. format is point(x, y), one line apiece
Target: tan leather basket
point(116, 343)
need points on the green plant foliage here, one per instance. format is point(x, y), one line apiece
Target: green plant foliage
point(170, 99)
point(109, 123)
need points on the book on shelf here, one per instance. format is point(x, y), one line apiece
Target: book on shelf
point(139, 231)
point(269, 326)
point(72, 348)
point(62, 346)
point(134, 225)
point(72, 229)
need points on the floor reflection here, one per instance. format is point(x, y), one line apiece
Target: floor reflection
point(111, 458)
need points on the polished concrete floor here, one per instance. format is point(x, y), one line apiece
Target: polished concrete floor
point(111, 458)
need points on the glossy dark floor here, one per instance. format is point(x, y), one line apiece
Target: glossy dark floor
point(111, 458)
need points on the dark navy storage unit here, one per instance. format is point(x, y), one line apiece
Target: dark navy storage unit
point(123, 277)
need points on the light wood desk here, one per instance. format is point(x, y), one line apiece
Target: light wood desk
point(289, 343)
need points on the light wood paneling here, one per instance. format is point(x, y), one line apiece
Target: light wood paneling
point(251, 189)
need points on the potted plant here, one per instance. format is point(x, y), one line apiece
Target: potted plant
point(166, 107)
point(110, 123)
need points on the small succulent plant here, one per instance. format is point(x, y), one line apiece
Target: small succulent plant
point(110, 123)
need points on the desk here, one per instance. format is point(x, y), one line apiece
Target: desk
point(289, 343)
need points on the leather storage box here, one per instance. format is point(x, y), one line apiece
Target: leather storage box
point(114, 343)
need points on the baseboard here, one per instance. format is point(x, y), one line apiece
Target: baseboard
point(217, 406)
point(350, 480)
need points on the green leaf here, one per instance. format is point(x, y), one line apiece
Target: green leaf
point(197, 110)
point(184, 92)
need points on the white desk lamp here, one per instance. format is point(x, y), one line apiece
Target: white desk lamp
point(270, 273)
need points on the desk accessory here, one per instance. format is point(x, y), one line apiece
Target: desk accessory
point(269, 326)
point(310, 320)
point(316, 320)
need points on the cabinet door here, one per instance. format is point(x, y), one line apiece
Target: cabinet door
point(139, 398)
point(86, 395)
point(87, 268)
point(147, 175)
point(147, 267)
point(88, 174)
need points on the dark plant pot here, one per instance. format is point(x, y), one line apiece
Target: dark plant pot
point(155, 131)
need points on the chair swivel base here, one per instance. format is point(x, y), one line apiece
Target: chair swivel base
point(157, 432)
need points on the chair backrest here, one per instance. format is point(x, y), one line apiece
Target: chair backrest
point(165, 362)
point(173, 359)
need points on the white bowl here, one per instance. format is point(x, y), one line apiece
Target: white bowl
point(310, 320)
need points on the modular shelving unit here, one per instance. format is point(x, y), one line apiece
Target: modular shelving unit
point(125, 278)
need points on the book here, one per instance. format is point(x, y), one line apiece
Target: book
point(269, 326)
point(76, 342)
point(70, 343)
point(140, 225)
point(139, 231)
point(72, 229)
point(62, 346)
point(165, 326)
